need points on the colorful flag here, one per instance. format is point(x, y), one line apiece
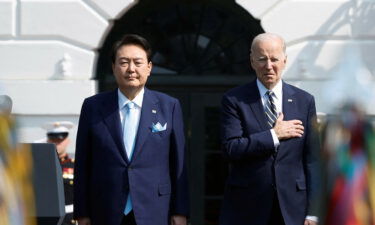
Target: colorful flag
point(16, 193)
point(349, 150)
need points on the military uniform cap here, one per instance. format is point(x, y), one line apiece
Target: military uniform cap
point(58, 129)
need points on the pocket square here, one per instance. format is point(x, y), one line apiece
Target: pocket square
point(158, 127)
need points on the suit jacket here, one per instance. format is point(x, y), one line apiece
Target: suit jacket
point(257, 172)
point(155, 177)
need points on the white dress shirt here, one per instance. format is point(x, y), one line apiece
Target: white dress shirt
point(123, 100)
point(278, 100)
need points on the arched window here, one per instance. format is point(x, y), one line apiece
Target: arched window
point(191, 38)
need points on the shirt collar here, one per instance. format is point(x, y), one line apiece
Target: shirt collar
point(277, 90)
point(123, 100)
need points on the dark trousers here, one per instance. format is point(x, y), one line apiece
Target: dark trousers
point(128, 219)
point(276, 216)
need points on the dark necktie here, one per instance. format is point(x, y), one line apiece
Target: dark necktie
point(270, 109)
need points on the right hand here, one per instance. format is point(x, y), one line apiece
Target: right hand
point(84, 221)
point(286, 129)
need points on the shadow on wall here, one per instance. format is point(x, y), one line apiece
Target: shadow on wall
point(329, 71)
point(339, 71)
point(63, 68)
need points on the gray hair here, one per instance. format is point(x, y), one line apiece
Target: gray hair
point(268, 36)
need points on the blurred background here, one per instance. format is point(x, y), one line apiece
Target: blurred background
point(55, 53)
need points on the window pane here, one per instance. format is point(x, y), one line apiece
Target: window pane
point(215, 174)
point(212, 211)
point(212, 128)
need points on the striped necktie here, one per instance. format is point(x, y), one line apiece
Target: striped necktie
point(270, 109)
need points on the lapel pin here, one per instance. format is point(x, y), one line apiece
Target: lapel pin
point(290, 100)
point(153, 111)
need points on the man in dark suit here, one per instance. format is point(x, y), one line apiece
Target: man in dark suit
point(130, 152)
point(267, 130)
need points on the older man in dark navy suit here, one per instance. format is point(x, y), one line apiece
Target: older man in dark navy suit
point(267, 130)
point(130, 152)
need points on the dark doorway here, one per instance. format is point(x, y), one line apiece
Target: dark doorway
point(200, 50)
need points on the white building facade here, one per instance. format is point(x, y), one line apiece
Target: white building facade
point(48, 52)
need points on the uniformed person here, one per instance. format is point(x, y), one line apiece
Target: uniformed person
point(57, 133)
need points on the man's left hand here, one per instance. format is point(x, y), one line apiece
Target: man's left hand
point(310, 222)
point(178, 220)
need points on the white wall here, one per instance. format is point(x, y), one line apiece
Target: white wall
point(330, 47)
point(48, 52)
point(48, 55)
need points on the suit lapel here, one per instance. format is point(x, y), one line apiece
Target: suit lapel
point(145, 123)
point(290, 113)
point(256, 105)
point(112, 120)
point(289, 103)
